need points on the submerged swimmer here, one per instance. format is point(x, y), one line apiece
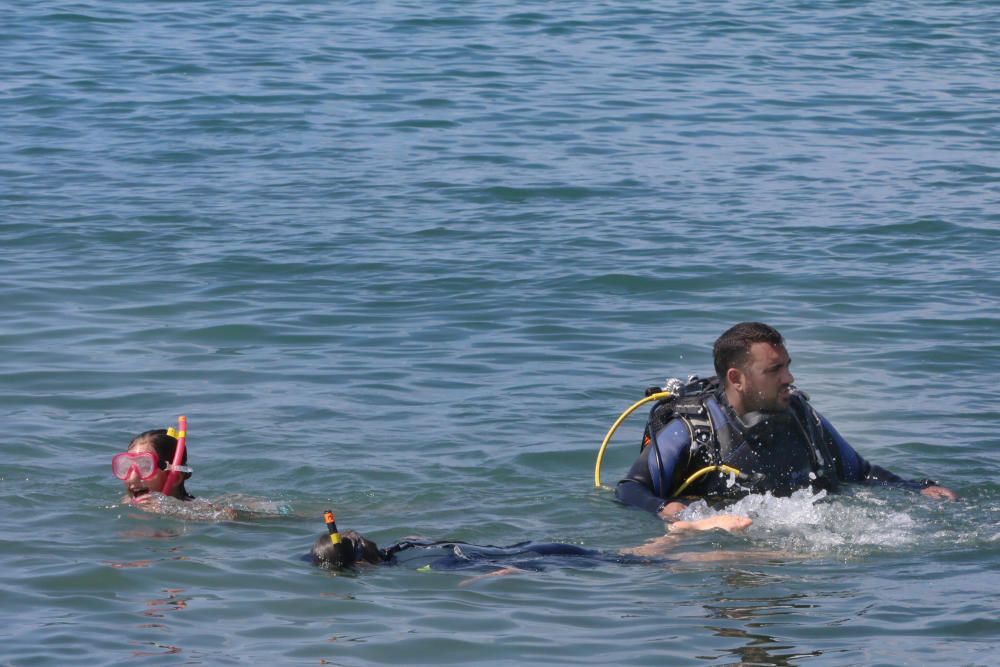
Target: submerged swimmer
point(145, 466)
point(351, 550)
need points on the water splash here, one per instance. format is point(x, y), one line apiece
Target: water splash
point(232, 507)
point(815, 523)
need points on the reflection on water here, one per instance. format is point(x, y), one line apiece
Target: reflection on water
point(159, 607)
point(172, 602)
point(167, 649)
point(128, 564)
point(771, 610)
point(759, 649)
point(150, 533)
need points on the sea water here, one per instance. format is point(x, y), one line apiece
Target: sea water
point(409, 261)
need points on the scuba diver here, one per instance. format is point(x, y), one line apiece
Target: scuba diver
point(748, 430)
point(334, 550)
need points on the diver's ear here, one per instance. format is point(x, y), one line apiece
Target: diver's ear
point(734, 378)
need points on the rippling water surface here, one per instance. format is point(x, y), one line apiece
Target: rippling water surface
point(410, 260)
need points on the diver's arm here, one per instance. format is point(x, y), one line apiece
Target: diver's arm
point(636, 489)
point(660, 546)
point(727, 522)
point(640, 489)
point(852, 467)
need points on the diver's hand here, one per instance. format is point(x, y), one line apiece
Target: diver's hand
point(671, 510)
point(939, 493)
point(727, 522)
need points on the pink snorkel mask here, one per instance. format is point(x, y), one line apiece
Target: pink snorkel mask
point(173, 474)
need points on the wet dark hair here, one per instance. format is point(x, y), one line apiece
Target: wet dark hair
point(358, 548)
point(732, 349)
point(165, 447)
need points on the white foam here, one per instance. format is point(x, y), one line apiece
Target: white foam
point(223, 508)
point(816, 523)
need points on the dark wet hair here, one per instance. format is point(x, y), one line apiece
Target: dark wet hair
point(732, 349)
point(165, 447)
point(359, 548)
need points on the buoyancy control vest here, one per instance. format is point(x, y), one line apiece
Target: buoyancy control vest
point(779, 452)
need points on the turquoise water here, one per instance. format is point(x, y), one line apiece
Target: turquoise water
point(410, 260)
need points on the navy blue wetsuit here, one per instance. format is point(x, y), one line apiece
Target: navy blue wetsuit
point(800, 449)
point(535, 556)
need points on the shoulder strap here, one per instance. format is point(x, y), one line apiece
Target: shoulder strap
point(688, 405)
point(810, 424)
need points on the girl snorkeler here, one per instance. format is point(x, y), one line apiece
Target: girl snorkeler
point(146, 467)
point(154, 469)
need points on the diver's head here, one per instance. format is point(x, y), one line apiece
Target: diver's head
point(143, 468)
point(356, 548)
point(753, 367)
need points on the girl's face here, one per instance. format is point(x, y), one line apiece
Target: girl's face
point(138, 490)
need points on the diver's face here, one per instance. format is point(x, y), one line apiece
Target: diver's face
point(138, 490)
point(764, 383)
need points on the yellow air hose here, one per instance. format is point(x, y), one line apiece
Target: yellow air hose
point(702, 472)
point(614, 427)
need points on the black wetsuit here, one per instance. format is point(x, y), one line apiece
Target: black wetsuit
point(779, 452)
point(534, 556)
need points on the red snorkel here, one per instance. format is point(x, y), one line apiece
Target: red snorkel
point(173, 474)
